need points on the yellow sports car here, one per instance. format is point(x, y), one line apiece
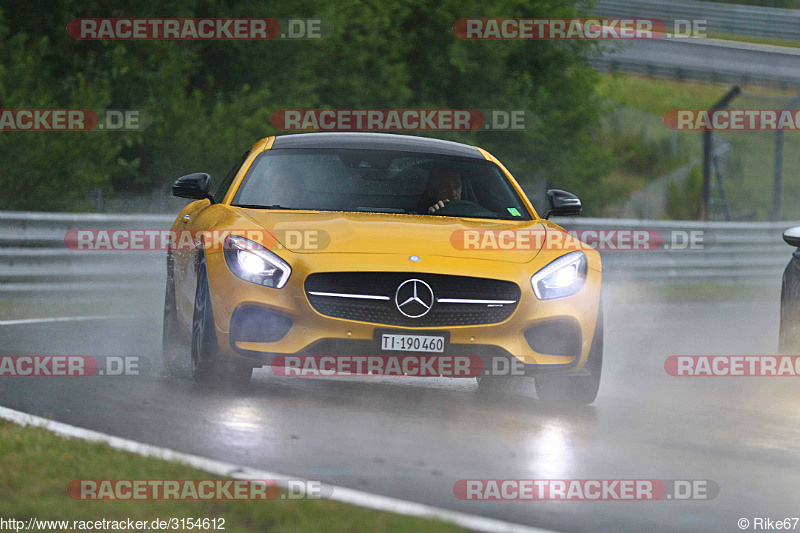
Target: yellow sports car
point(372, 245)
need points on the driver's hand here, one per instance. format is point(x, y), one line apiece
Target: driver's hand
point(438, 205)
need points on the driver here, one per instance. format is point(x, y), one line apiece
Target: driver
point(444, 185)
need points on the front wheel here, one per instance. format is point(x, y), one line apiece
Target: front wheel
point(173, 346)
point(207, 364)
point(581, 389)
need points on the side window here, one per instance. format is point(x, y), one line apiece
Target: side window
point(223, 186)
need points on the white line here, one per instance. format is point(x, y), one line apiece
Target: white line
point(343, 295)
point(469, 301)
point(67, 319)
point(220, 468)
point(741, 45)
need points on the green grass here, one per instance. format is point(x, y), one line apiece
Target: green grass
point(142, 302)
point(749, 172)
point(754, 40)
point(659, 95)
point(37, 465)
point(47, 307)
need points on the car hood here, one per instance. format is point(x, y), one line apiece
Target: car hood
point(377, 233)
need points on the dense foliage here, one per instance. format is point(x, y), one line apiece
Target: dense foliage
point(209, 100)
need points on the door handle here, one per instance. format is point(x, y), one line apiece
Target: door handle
point(186, 218)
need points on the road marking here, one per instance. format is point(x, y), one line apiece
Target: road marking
point(229, 470)
point(67, 319)
point(741, 45)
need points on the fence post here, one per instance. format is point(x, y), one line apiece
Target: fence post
point(777, 180)
point(708, 141)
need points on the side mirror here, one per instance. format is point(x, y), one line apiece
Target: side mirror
point(563, 204)
point(193, 186)
point(792, 236)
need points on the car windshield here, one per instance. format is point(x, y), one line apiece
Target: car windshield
point(379, 181)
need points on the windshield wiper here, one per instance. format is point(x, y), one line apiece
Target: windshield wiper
point(382, 209)
point(257, 206)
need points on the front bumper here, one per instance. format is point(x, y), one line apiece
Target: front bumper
point(563, 327)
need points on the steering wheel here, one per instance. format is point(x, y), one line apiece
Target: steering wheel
point(459, 208)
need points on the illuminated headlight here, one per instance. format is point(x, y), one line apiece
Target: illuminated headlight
point(252, 262)
point(562, 277)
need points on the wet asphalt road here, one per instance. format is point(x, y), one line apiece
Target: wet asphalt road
point(742, 60)
point(414, 438)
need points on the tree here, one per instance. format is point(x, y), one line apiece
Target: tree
point(209, 100)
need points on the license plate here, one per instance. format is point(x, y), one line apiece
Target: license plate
point(413, 343)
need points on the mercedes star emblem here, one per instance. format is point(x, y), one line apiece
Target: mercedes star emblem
point(414, 298)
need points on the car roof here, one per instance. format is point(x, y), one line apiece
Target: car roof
point(376, 141)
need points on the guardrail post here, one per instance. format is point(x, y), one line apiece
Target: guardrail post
point(777, 182)
point(708, 142)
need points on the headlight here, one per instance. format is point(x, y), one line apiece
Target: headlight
point(252, 262)
point(562, 277)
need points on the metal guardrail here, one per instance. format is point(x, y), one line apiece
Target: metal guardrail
point(737, 19)
point(35, 260)
point(614, 63)
point(747, 253)
point(723, 61)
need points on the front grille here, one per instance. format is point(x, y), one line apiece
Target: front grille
point(370, 297)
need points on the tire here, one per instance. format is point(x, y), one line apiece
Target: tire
point(565, 389)
point(174, 349)
point(206, 363)
point(789, 333)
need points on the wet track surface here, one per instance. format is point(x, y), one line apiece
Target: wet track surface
point(740, 60)
point(414, 438)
